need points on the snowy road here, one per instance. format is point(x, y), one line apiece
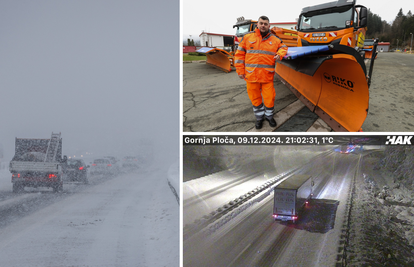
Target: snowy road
point(127, 220)
point(253, 238)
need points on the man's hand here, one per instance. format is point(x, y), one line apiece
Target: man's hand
point(242, 76)
point(277, 57)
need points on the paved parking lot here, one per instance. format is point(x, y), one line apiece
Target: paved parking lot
point(215, 101)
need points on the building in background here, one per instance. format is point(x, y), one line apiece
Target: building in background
point(217, 40)
point(285, 25)
point(383, 47)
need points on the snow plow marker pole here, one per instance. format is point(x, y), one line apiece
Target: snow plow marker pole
point(371, 65)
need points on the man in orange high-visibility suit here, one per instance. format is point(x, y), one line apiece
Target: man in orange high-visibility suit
point(255, 63)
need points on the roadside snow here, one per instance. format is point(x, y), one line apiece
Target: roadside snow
point(382, 219)
point(174, 179)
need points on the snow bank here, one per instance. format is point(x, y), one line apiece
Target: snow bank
point(174, 179)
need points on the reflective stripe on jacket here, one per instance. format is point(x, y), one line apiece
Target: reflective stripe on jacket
point(255, 56)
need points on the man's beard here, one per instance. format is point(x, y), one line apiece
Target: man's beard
point(263, 33)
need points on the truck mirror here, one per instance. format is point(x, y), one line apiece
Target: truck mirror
point(65, 159)
point(363, 17)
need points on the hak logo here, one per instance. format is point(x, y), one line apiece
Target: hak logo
point(398, 140)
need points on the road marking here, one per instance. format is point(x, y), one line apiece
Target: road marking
point(235, 259)
point(319, 126)
point(288, 112)
point(281, 117)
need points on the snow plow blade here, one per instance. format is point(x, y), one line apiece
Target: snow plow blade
point(289, 37)
point(331, 81)
point(218, 58)
point(368, 53)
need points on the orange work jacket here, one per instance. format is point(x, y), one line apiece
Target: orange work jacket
point(255, 56)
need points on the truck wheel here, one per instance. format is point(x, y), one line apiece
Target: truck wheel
point(58, 188)
point(17, 188)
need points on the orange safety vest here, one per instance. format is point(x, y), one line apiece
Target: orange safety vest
point(255, 56)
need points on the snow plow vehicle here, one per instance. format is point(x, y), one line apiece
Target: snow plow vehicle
point(369, 48)
point(289, 37)
point(223, 60)
point(326, 70)
point(218, 58)
point(37, 163)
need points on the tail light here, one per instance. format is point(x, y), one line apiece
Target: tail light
point(51, 175)
point(81, 168)
point(16, 175)
point(275, 216)
point(94, 164)
point(294, 218)
point(109, 165)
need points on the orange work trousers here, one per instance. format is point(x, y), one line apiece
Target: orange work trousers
point(257, 91)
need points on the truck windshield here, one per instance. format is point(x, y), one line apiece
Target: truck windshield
point(368, 42)
point(242, 30)
point(335, 18)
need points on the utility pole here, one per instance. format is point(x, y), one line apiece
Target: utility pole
point(397, 44)
point(411, 42)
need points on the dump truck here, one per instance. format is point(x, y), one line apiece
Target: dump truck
point(37, 163)
point(290, 196)
point(326, 70)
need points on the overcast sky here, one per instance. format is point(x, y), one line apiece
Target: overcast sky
point(101, 72)
point(218, 16)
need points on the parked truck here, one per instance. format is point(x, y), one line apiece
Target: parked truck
point(290, 196)
point(37, 163)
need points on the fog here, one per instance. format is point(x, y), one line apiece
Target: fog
point(102, 73)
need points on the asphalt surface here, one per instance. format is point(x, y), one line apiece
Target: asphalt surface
point(214, 101)
point(391, 98)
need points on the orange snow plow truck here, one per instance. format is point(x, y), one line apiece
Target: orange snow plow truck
point(324, 66)
point(326, 70)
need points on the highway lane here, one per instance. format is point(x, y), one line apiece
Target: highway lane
point(254, 239)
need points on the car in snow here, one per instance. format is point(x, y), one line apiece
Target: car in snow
point(75, 170)
point(102, 166)
point(116, 166)
point(130, 163)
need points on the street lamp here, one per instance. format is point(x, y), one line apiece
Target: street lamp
point(411, 42)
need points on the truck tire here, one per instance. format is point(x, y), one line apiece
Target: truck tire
point(85, 179)
point(58, 188)
point(17, 187)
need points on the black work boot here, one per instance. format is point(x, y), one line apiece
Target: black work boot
point(271, 121)
point(259, 124)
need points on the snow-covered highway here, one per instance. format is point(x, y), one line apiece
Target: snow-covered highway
point(126, 220)
point(252, 237)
